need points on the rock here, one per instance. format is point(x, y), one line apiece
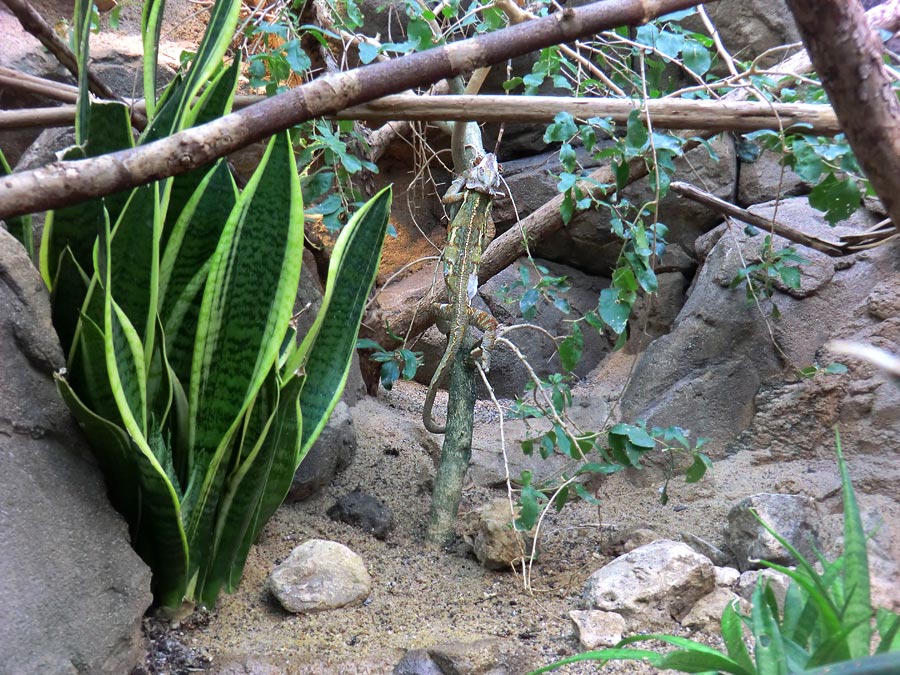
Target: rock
point(416, 662)
point(766, 179)
point(793, 517)
point(750, 27)
point(362, 510)
point(73, 592)
point(718, 374)
point(332, 452)
point(707, 611)
point(777, 581)
point(703, 547)
point(495, 543)
point(638, 537)
point(489, 656)
point(597, 628)
point(727, 577)
point(651, 585)
point(319, 575)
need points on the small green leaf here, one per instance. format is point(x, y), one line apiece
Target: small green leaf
point(835, 369)
point(698, 469)
point(613, 311)
point(636, 136)
point(368, 52)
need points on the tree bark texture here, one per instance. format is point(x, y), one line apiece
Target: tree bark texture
point(848, 56)
point(414, 317)
point(456, 450)
point(666, 113)
point(62, 184)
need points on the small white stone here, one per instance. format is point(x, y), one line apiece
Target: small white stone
point(597, 628)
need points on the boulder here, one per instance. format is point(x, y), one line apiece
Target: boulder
point(651, 585)
point(719, 374)
point(597, 628)
point(495, 542)
point(793, 517)
point(73, 592)
point(706, 614)
point(333, 451)
point(362, 510)
point(320, 575)
point(777, 581)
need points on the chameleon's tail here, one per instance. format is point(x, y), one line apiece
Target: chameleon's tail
point(440, 374)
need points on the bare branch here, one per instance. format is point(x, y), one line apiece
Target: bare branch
point(768, 224)
point(666, 113)
point(66, 183)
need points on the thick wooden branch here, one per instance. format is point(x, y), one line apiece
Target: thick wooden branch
point(848, 56)
point(62, 184)
point(679, 113)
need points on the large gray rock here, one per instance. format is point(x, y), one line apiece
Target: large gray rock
point(718, 372)
point(319, 575)
point(332, 452)
point(793, 517)
point(652, 585)
point(72, 591)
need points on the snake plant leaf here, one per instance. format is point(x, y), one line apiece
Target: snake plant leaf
point(151, 27)
point(180, 110)
point(243, 490)
point(82, 29)
point(18, 226)
point(185, 263)
point(215, 101)
point(284, 438)
point(856, 567)
point(69, 292)
point(142, 494)
point(134, 256)
point(246, 309)
point(76, 227)
point(326, 352)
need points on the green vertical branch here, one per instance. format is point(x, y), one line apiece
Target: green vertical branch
point(457, 449)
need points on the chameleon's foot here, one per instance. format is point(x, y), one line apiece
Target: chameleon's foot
point(480, 357)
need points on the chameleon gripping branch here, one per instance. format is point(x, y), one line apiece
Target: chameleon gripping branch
point(468, 234)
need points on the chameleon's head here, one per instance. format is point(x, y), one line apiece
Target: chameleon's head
point(485, 176)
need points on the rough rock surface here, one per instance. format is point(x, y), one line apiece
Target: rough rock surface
point(777, 581)
point(707, 611)
point(597, 628)
point(319, 575)
point(362, 510)
point(333, 451)
point(72, 590)
point(495, 543)
point(718, 373)
point(651, 585)
point(489, 656)
point(794, 517)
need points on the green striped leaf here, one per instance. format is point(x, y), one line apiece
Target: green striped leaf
point(858, 610)
point(327, 349)
point(247, 304)
point(185, 263)
point(151, 26)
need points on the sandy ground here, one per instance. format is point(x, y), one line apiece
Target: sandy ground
point(423, 597)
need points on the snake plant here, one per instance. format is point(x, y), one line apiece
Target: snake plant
point(173, 303)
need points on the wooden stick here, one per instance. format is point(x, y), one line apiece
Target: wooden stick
point(767, 224)
point(665, 113)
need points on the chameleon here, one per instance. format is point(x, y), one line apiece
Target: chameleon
point(468, 234)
